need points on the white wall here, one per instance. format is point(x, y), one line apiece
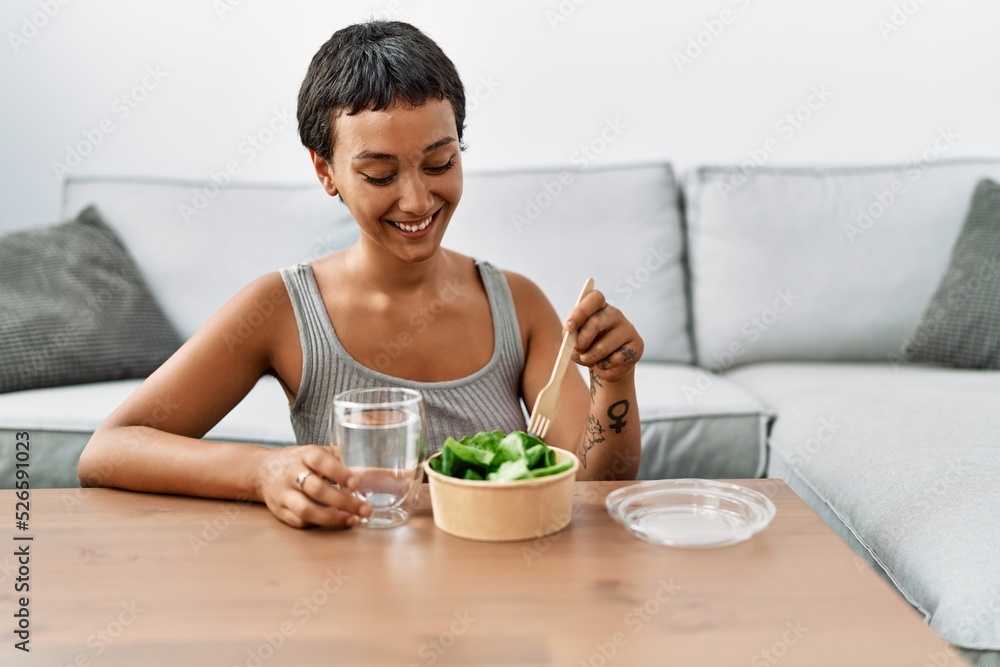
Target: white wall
point(557, 80)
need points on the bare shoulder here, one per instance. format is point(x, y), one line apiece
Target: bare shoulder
point(527, 295)
point(270, 285)
point(255, 316)
point(264, 326)
point(535, 313)
point(216, 367)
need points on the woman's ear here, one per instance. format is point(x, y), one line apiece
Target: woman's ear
point(324, 171)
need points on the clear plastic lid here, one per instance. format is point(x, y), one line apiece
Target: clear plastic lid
point(690, 513)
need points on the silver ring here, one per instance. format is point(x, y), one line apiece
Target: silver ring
point(300, 479)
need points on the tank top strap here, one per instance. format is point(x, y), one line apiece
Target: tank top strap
point(505, 324)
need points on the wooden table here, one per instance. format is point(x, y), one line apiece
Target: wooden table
point(120, 578)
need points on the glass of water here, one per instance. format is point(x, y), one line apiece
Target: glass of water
point(379, 434)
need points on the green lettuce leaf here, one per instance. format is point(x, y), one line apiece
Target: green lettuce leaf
point(509, 471)
point(496, 456)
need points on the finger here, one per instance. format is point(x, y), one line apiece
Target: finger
point(590, 304)
point(597, 326)
point(310, 513)
point(324, 462)
point(602, 348)
point(321, 492)
point(288, 516)
point(618, 362)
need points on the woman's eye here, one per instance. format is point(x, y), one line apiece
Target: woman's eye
point(385, 180)
point(443, 168)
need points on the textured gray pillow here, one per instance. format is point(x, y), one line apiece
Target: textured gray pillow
point(961, 326)
point(74, 308)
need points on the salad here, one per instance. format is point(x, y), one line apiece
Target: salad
point(497, 457)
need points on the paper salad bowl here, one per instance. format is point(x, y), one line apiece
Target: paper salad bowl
point(503, 511)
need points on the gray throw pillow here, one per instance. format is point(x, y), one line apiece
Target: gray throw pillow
point(74, 308)
point(961, 325)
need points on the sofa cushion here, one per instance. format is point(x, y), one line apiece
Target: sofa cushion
point(620, 226)
point(60, 421)
point(961, 325)
point(903, 462)
point(693, 424)
point(820, 264)
point(698, 424)
point(199, 244)
point(74, 308)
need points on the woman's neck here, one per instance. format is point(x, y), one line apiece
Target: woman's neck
point(374, 270)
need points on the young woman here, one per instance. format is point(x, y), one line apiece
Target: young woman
point(381, 112)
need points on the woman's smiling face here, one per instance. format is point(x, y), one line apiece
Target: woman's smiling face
point(400, 173)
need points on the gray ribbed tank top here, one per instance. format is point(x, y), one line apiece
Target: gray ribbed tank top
point(486, 400)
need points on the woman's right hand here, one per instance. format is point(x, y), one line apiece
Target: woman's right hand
point(317, 502)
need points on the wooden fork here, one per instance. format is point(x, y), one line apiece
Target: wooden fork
point(548, 399)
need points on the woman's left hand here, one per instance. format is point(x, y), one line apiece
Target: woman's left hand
point(607, 343)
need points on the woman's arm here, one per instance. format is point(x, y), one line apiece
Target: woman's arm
point(600, 425)
point(153, 441)
point(608, 346)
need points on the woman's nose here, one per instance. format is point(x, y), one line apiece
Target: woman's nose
point(415, 197)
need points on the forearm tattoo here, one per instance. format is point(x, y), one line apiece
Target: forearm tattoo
point(617, 413)
point(595, 382)
point(592, 436)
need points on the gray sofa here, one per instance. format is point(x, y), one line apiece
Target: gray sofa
point(774, 308)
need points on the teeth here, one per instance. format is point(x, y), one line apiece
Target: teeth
point(414, 228)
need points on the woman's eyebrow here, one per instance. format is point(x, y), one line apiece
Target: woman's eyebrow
point(439, 143)
point(374, 155)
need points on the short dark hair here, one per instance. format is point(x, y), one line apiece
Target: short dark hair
point(372, 66)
